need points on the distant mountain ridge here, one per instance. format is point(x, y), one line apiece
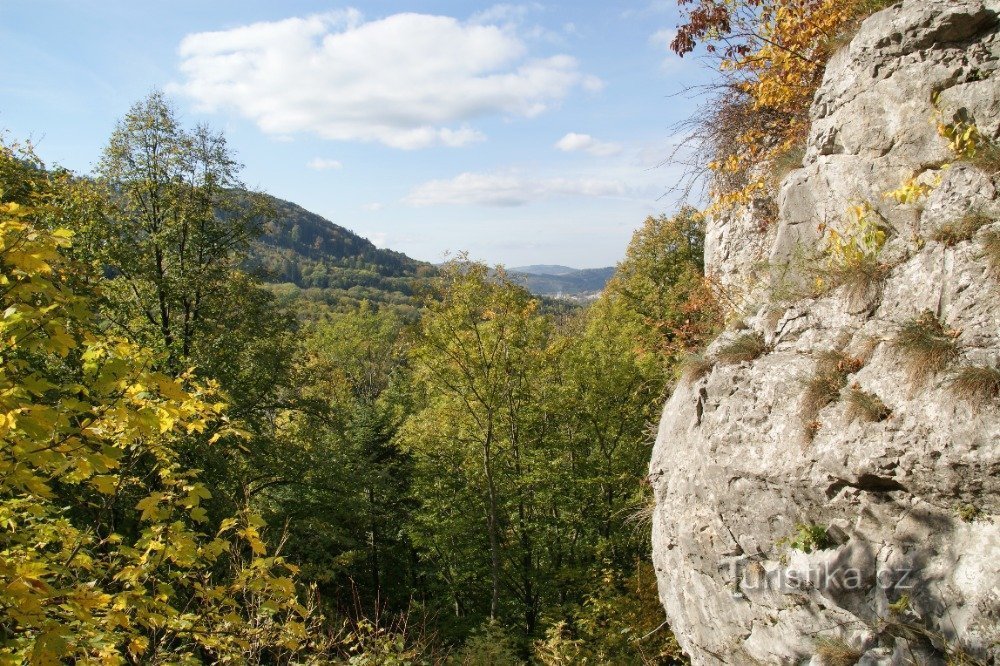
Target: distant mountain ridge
point(304, 249)
point(573, 283)
point(544, 269)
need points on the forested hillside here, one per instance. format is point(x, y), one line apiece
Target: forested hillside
point(310, 259)
point(203, 471)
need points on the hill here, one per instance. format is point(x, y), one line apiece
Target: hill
point(544, 269)
point(575, 283)
point(303, 255)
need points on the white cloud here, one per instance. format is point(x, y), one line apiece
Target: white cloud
point(574, 142)
point(373, 207)
point(480, 189)
point(506, 13)
point(662, 38)
point(407, 80)
point(323, 164)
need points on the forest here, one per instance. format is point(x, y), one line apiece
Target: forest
point(201, 467)
point(200, 472)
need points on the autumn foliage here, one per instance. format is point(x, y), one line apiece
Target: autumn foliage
point(106, 552)
point(771, 55)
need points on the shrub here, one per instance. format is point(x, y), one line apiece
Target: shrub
point(977, 384)
point(490, 645)
point(963, 229)
point(836, 652)
point(926, 346)
point(771, 56)
point(743, 349)
point(865, 406)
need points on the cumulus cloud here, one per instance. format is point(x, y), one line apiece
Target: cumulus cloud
point(574, 142)
point(407, 80)
point(509, 190)
point(323, 164)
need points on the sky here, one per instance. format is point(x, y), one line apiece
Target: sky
point(522, 133)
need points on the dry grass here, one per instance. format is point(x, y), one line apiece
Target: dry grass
point(695, 366)
point(925, 346)
point(743, 349)
point(991, 250)
point(987, 157)
point(977, 384)
point(961, 230)
point(863, 281)
point(836, 652)
point(865, 406)
point(829, 377)
point(787, 162)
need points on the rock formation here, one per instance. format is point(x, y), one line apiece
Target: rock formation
point(786, 521)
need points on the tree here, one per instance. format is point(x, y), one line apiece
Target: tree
point(179, 224)
point(106, 553)
point(662, 282)
point(481, 369)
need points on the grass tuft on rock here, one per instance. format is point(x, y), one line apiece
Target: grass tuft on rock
point(986, 157)
point(977, 384)
point(743, 349)
point(695, 366)
point(836, 652)
point(925, 346)
point(961, 230)
point(865, 406)
point(991, 250)
point(826, 382)
point(862, 280)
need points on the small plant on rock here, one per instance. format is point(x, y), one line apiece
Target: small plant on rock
point(836, 652)
point(808, 537)
point(852, 256)
point(743, 349)
point(977, 384)
point(961, 230)
point(926, 346)
point(865, 406)
point(968, 512)
point(969, 145)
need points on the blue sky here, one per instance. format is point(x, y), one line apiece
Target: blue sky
point(523, 132)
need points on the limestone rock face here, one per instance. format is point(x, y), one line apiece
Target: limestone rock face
point(745, 475)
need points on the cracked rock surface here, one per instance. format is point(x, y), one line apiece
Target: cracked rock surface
point(908, 569)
